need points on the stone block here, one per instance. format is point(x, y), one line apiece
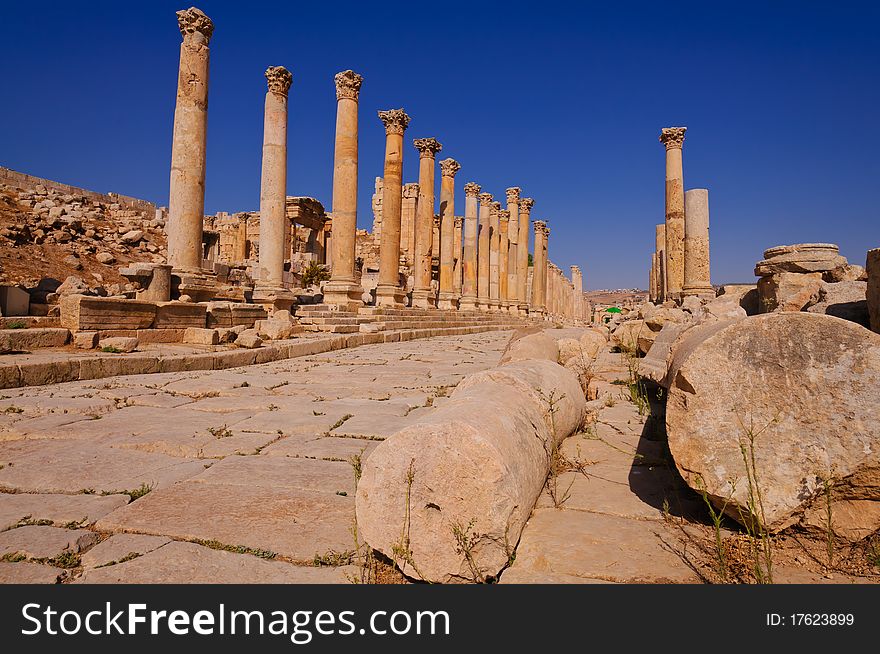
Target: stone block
point(85, 340)
point(14, 301)
point(180, 315)
point(201, 336)
point(86, 313)
point(124, 344)
point(24, 340)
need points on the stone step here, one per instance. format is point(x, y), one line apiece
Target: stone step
point(346, 320)
point(332, 329)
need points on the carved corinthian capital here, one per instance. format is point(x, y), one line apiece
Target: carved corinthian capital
point(526, 204)
point(427, 147)
point(513, 193)
point(471, 189)
point(672, 137)
point(194, 20)
point(279, 79)
point(348, 85)
point(395, 120)
point(496, 206)
point(485, 199)
point(458, 221)
point(411, 190)
point(503, 215)
point(449, 167)
point(540, 228)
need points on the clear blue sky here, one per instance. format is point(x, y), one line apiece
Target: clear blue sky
point(565, 100)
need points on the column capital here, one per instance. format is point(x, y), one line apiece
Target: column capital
point(485, 199)
point(428, 147)
point(437, 220)
point(348, 85)
point(526, 204)
point(513, 193)
point(672, 137)
point(395, 120)
point(449, 167)
point(411, 190)
point(194, 20)
point(279, 79)
point(503, 215)
point(496, 207)
point(575, 270)
point(471, 189)
point(458, 221)
point(541, 227)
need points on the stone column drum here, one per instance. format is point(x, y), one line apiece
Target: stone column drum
point(503, 259)
point(422, 295)
point(270, 289)
point(539, 267)
point(660, 248)
point(186, 201)
point(388, 289)
point(652, 279)
point(483, 253)
point(513, 297)
point(457, 257)
point(408, 222)
point(448, 170)
point(470, 260)
point(673, 139)
point(697, 280)
point(522, 256)
point(343, 290)
point(494, 249)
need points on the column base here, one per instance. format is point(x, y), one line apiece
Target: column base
point(522, 309)
point(447, 302)
point(482, 304)
point(388, 295)
point(700, 291)
point(422, 299)
point(494, 305)
point(344, 295)
point(468, 304)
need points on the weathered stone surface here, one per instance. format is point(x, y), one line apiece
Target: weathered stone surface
point(85, 340)
point(120, 546)
point(201, 336)
point(800, 258)
point(744, 294)
point(275, 329)
point(25, 572)
point(21, 340)
point(80, 312)
point(179, 315)
point(188, 563)
point(249, 339)
point(802, 386)
point(60, 509)
point(873, 290)
point(121, 343)
point(846, 273)
point(626, 335)
point(44, 542)
point(787, 291)
point(476, 464)
point(592, 342)
point(664, 315)
point(845, 300)
point(530, 343)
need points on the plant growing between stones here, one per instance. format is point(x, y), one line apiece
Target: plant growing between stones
point(827, 491)
point(722, 567)
point(220, 432)
point(465, 542)
point(314, 274)
point(109, 349)
point(16, 324)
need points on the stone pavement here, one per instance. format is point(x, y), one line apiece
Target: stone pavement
point(237, 475)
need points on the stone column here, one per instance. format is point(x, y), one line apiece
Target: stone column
point(504, 259)
point(539, 267)
point(494, 249)
point(388, 290)
point(652, 279)
point(577, 282)
point(660, 249)
point(697, 280)
point(470, 262)
point(447, 297)
point(343, 290)
point(513, 297)
point(186, 201)
point(422, 295)
point(673, 139)
point(274, 232)
point(240, 255)
point(522, 256)
point(483, 252)
point(408, 222)
point(457, 261)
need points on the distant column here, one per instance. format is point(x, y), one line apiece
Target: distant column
point(470, 263)
point(660, 249)
point(652, 279)
point(186, 201)
point(423, 297)
point(522, 256)
point(513, 297)
point(274, 230)
point(240, 242)
point(697, 280)
point(408, 222)
point(673, 139)
point(503, 259)
point(484, 247)
point(447, 297)
point(577, 283)
point(388, 290)
point(539, 267)
point(343, 289)
point(494, 249)
point(457, 257)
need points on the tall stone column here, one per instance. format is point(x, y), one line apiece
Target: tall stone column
point(494, 249)
point(186, 201)
point(503, 259)
point(422, 295)
point(448, 170)
point(470, 261)
point(274, 231)
point(484, 246)
point(697, 280)
point(660, 249)
point(577, 282)
point(513, 297)
point(539, 267)
point(673, 139)
point(457, 258)
point(343, 290)
point(408, 222)
point(652, 279)
point(241, 254)
point(388, 289)
point(522, 256)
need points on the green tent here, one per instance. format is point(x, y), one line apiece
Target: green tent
point(613, 310)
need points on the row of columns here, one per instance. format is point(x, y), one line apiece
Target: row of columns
point(680, 261)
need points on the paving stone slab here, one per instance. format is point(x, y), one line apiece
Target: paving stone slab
point(300, 421)
point(281, 473)
point(44, 542)
point(60, 509)
point(321, 447)
point(26, 572)
point(120, 546)
point(188, 563)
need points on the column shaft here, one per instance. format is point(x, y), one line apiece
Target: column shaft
point(513, 297)
point(522, 256)
point(388, 290)
point(697, 280)
point(483, 252)
point(423, 297)
point(448, 170)
point(673, 139)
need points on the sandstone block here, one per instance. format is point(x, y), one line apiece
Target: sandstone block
point(873, 289)
point(122, 343)
point(44, 542)
point(626, 335)
point(530, 343)
point(845, 300)
point(744, 294)
point(201, 336)
point(800, 258)
point(249, 338)
point(85, 340)
point(796, 391)
point(83, 313)
point(179, 315)
point(787, 291)
point(275, 329)
point(23, 340)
